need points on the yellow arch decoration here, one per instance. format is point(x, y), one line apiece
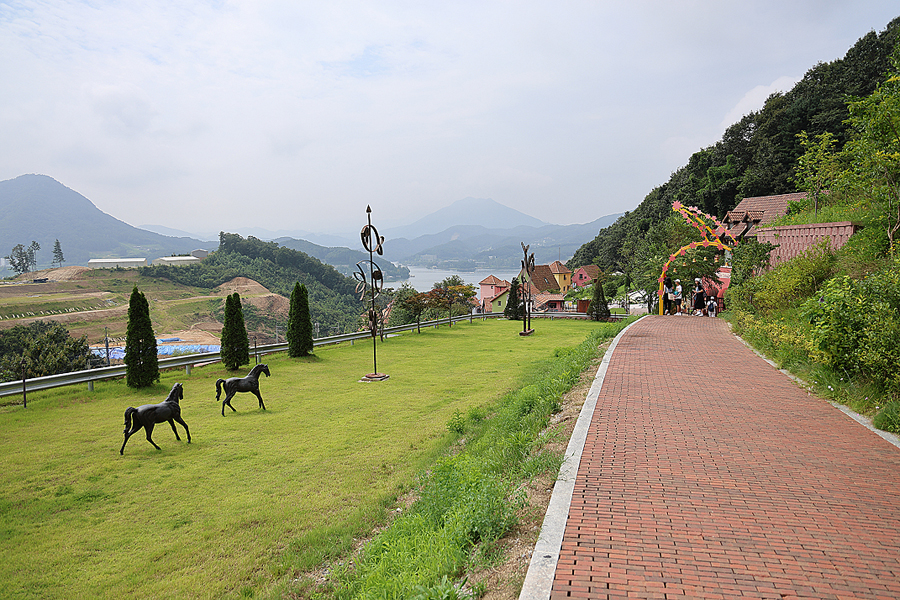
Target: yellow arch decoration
point(711, 238)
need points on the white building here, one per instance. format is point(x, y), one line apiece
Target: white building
point(176, 261)
point(112, 263)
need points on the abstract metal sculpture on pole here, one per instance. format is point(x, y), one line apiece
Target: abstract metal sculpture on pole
point(528, 270)
point(372, 284)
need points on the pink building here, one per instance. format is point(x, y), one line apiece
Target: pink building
point(491, 287)
point(583, 276)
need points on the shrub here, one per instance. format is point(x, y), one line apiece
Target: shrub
point(856, 327)
point(888, 419)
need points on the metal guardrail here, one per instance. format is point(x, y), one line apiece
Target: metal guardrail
point(11, 388)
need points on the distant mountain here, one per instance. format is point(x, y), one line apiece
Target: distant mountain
point(39, 208)
point(343, 259)
point(482, 212)
point(468, 246)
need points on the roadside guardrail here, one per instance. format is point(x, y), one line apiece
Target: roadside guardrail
point(11, 388)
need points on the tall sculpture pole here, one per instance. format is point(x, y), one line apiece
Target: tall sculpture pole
point(528, 270)
point(372, 242)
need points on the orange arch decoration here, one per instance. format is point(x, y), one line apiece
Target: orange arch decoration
point(712, 238)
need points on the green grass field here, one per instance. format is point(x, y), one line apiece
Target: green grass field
point(258, 493)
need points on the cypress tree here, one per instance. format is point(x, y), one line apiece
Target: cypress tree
point(299, 330)
point(598, 309)
point(141, 363)
point(513, 308)
point(235, 342)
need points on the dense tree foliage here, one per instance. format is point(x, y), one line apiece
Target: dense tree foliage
point(46, 348)
point(23, 259)
point(235, 350)
point(756, 156)
point(513, 309)
point(141, 362)
point(299, 329)
point(332, 297)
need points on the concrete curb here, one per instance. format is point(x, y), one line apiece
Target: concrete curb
point(542, 568)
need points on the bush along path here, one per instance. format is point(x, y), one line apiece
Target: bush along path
point(469, 500)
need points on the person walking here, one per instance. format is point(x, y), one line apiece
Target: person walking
point(668, 295)
point(699, 299)
point(678, 296)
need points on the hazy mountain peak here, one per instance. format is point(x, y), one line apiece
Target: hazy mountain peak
point(484, 212)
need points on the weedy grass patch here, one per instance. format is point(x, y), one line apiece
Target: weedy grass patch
point(469, 499)
point(258, 495)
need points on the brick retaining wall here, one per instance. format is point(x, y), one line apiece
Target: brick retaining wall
point(793, 240)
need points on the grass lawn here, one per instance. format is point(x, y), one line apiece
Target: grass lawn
point(257, 493)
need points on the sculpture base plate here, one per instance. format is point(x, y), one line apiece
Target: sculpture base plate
point(526, 332)
point(374, 377)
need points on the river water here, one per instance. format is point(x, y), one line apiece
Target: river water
point(423, 279)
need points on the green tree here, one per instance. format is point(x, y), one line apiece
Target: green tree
point(141, 362)
point(513, 309)
point(235, 345)
point(817, 167)
point(23, 259)
point(58, 258)
point(299, 330)
point(47, 349)
point(598, 310)
point(415, 305)
point(874, 152)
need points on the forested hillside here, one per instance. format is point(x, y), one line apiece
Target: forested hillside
point(332, 299)
point(756, 156)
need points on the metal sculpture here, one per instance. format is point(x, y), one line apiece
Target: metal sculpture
point(528, 270)
point(233, 385)
point(148, 415)
point(371, 285)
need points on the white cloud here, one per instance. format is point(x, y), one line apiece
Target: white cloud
point(297, 114)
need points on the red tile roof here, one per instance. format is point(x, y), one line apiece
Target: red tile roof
point(758, 210)
point(558, 267)
point(543, 278)
point(492, 280)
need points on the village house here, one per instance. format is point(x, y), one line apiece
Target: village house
point(585, 275)
point(491, 289)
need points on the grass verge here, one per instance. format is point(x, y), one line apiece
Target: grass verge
point(258, 496)
point(469, 499)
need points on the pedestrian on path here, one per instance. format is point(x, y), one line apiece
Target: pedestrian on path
point(678, 296)
point(699, 301)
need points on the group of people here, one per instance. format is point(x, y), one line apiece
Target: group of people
point(673, 295)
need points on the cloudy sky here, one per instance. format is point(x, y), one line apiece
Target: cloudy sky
point(287, 114)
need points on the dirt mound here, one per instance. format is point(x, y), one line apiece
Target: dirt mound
point(60, 274)
point(243, 286)
point(270, 304)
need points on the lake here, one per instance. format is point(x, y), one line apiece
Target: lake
point(423, 279)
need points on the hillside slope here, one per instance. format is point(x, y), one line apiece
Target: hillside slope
point(39, 208)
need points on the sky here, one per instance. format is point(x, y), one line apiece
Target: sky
point(293, 115)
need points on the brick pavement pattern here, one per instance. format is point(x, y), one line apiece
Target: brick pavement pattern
point(707, 473)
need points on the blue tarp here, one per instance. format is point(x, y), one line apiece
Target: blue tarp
point(119, 353)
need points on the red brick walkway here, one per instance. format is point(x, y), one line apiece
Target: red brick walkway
point(707, 473)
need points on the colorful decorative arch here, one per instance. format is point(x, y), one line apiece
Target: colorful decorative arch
point(711, 238)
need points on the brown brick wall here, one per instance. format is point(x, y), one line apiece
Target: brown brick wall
point(793, 240)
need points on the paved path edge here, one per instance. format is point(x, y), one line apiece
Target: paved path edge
point(861, 419)
point(542, 568)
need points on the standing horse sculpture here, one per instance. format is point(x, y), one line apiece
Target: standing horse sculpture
point(233, 385)
point(148, 415)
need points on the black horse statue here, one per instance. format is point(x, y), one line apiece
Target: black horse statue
point(148, 415)
point(233, 385)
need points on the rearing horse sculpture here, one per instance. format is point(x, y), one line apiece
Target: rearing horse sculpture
point(148, 415)
point(233, 385)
